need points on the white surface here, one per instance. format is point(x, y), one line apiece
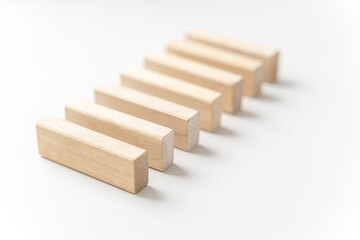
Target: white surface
point(285, 168)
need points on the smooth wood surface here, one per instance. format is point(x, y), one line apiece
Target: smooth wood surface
point(184, 121)
point(268, 55)
point(227, 83)
point(156, 139)
point(251, 69)
point(206, 101)
point(102, 157)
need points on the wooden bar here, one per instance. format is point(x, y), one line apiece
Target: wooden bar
point(206, 101)
point(251, 69)
point(268, 55)
point(156, 139)
point(184, 121)
point(227, 83)
point(99, 156)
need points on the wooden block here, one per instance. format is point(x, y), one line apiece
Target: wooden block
point(184, 121)
point(206, 101)
point(99, 156)
point(251, 69)
point(227, 83)
point(156, 139)
point(268, 55)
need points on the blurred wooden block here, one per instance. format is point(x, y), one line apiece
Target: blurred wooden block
point(156, 139)
point(227, 83)
point(268, 55)
point(251, 69)
point(99, 156)
point(184, 121)
point(206, 101)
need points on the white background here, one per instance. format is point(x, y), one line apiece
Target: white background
point(287, 167)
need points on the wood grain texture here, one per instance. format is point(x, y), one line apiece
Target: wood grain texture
point(102, 157)
point(227, 83)
point(268, 55)
point(206, 101)
point(156, 139)
point(251, 69)
point(184, 121)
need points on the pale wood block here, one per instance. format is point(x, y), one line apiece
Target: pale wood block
point(268, 55)
point(99, 156)
point(156, 139)
point(206, 101)
point(184, 121)
point(251, 69)
point(227, 83)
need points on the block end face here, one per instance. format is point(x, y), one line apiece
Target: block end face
point(167, 151)
point(216, 118)
point(193, 131)
point(236, 99)
point(141, 173)
point(252, 85)
point(271, 68)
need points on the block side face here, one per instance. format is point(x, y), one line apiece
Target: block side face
point(266, 54)
point(194, 130)
point(126, 122)
point(231, 93)
point(224, 89)
point(125, 105)
point(85, 157)
point(190, 70)
point(91, 138)
point(205, 109)
point(168, 83)
point(179, 125)
point(247, 74)
point(232, 44)
point(168, 151)
point(141, 172)
point(177, 91)
point(213, 55)
point(172, 122)
point(188, 54)
point(141, 99)
point(113, 126)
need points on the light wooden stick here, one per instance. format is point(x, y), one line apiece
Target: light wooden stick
point(206, 101)
point(250, 68)
point(227, 83)
point(184, 121)
point(156, 139)
point(268, 55)
point(102, 157)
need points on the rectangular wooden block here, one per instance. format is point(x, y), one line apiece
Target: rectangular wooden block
point(227, 83)
point(251, 69)
point(156, 139)
point(184, 121)
point(206, 101)
point(268, 55)
point(99, 156)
